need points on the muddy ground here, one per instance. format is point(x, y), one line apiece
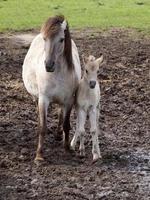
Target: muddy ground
point(124, 171)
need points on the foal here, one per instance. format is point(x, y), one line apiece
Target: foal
point(87, 101)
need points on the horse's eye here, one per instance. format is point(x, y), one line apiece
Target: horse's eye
point(86, 71)
point(61, 40)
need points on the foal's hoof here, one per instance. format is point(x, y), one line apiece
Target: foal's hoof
point(82, 153)
point(95, 161)
point(96, 157)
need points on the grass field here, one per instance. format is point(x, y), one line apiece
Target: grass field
point(26, 14)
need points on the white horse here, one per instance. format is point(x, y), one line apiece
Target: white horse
point(88, 99)
point(51, 72)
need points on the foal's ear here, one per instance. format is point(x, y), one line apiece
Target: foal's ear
point(91, 58)
point(99, 60)
point(85, 59)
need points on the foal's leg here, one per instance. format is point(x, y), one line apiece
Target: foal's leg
point(42, 106)
point(81, 130)
point(94, 131)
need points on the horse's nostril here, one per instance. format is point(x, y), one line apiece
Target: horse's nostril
point(53, 63)
point(49, 64)
point(46, 65)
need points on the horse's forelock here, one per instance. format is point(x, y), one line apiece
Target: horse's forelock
point(52, 27)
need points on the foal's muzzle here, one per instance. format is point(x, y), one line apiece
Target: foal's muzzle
point(50, 66)
point(92, 84)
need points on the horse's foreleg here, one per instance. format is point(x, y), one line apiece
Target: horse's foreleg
point(42, 106)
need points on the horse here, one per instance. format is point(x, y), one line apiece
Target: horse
point(51, 72)
point(88, 102)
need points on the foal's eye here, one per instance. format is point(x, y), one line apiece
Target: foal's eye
point(86, 71)
point(61, 40)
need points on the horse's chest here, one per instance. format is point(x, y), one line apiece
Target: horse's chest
point(61, 92)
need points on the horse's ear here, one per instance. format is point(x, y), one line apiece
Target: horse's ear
point(100, 60)
point(64, 25)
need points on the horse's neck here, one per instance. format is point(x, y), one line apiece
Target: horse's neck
point(61, 66)
point(62, 74)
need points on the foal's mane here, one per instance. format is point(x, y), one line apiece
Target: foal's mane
point(51, 28)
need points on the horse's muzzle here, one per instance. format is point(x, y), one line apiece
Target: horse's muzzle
point(50, 66)
point(92, 84)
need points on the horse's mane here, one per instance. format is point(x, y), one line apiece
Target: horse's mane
point(51, 28)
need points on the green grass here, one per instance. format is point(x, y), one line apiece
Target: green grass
point(26, 14)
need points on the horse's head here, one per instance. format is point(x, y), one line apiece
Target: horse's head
point(57, 39)
point(91, 68)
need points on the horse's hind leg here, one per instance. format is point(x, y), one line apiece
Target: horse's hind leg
point(42, 106)
point(66, 126)
point(59, 133)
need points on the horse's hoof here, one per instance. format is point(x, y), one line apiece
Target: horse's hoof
point(81, 156)
point(67, 147)
point(38, 160)
point(72, 151)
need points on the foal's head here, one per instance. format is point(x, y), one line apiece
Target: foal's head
point(91, 68)
point(57, 38)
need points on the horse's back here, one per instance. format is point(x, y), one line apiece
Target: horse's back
point(31, 62)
